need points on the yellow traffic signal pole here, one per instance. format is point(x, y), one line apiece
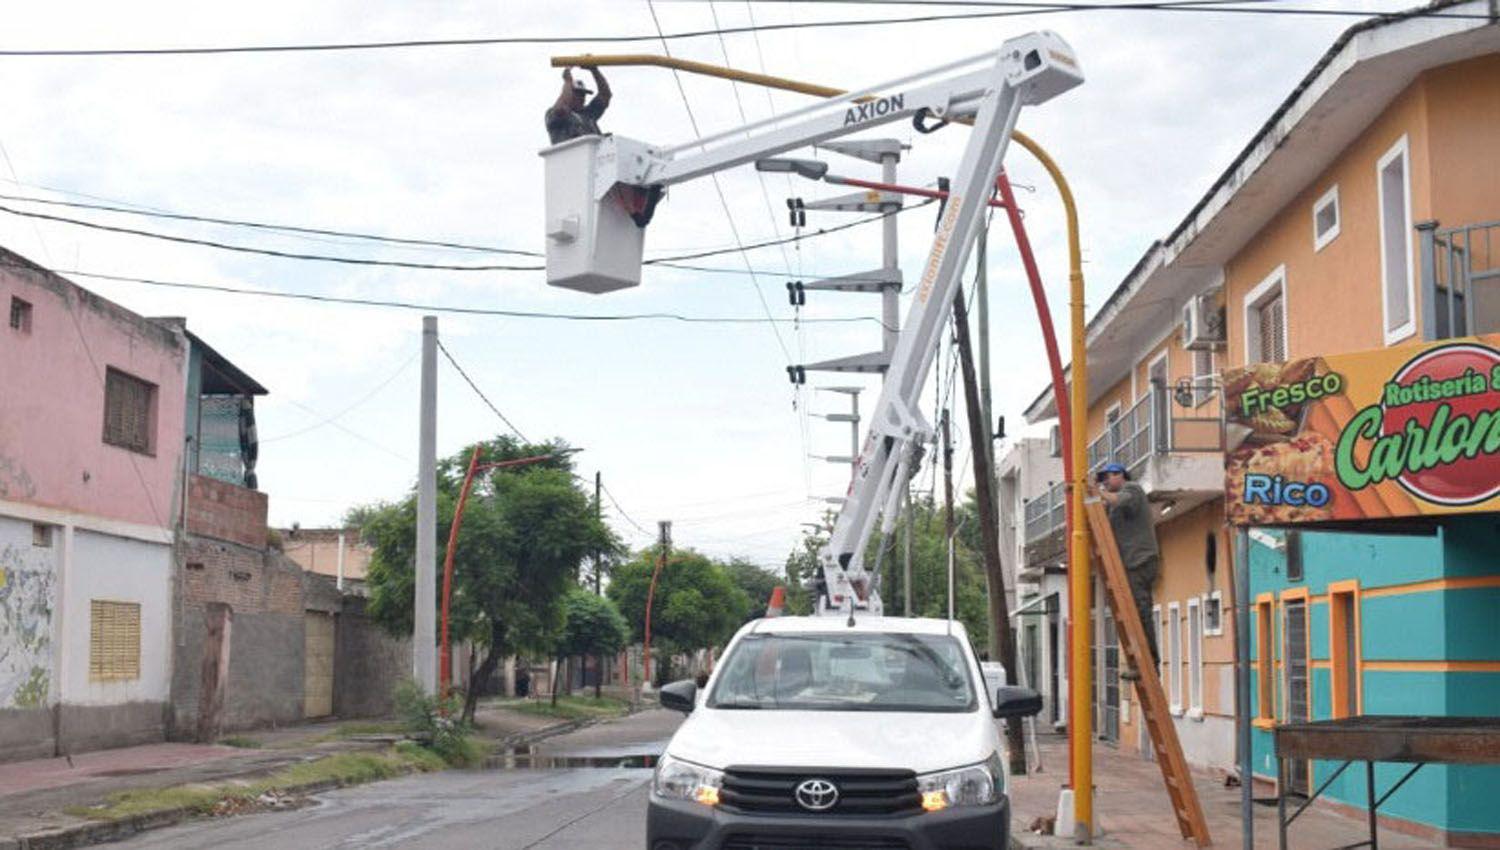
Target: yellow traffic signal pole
point(1080, 579)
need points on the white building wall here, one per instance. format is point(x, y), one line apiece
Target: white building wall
point(102, 566)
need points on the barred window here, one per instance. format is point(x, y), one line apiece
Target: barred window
point(114, 641)
point(129, 412)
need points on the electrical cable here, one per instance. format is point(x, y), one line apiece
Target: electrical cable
point(403, 264)
point(362, 399)
point(477, 391)
point(620, 510)
point(434, 308)
point(1012, 10)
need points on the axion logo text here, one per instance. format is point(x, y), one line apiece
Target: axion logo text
point(874, 108)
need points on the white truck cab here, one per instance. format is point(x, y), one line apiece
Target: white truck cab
point(879, 734)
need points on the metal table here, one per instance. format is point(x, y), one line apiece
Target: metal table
point(1370, 738)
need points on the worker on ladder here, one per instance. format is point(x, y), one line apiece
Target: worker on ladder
point(570, 117)
point(1135, 533)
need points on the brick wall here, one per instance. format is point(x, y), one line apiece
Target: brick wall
point(226, 512)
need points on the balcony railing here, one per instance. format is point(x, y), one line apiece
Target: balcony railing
point(1146, 429)
point(1461, 276)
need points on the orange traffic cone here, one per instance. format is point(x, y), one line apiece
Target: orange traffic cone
point(778, 602)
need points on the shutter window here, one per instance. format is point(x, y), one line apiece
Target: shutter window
point(129, 411)
point(114, 641)
point(1272, 330)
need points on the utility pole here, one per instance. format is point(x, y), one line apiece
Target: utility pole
point(906, 559)
point(947, 474)
point(852, 417)
point(1002, 648)
point(599, 517)
point(424, 637)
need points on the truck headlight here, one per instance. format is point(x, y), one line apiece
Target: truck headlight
point(682, 780)
point(975, 785)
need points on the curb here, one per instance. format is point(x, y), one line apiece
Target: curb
point(101, 832)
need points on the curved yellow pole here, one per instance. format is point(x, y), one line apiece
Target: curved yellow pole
point(1080, 578)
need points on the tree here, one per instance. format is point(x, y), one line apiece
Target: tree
point(696, 604)
point(525, 532)
point(929, 572)
point(755, 582)
point(592, 625)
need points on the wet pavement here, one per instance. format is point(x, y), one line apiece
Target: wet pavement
point(584, 790)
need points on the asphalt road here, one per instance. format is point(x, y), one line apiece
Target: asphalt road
point(562, 795)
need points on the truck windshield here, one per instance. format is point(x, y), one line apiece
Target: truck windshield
point(845, 672)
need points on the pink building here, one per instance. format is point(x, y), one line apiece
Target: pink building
point(104, 416)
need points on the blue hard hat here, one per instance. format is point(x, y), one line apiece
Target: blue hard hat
point(1113, 467)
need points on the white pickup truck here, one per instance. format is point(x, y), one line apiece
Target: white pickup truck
point(815, 733)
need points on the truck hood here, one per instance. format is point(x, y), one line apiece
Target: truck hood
point(922, 742)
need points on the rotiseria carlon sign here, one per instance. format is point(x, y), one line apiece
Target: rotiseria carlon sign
point(1397, 432)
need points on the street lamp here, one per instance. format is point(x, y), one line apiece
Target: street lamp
point(812, 169)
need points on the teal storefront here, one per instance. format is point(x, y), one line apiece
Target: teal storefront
point(1349, 623)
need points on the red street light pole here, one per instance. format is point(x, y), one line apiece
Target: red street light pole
point(445, 668)
point(666, 543)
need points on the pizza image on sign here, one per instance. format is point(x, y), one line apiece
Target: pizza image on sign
point(1397, 432)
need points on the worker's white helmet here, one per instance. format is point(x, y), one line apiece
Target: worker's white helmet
point(581, 87)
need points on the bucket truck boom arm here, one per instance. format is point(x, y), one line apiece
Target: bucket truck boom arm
point(585, 247)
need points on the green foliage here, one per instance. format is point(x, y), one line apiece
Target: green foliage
point(592, 625)
point(755, 582)
point(929, 571)
point(525, 533)
point(696, 605)
point(437, 724)
point(570, 707)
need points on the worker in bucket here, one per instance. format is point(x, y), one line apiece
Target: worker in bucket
point(1135, 533)
point(570, 117)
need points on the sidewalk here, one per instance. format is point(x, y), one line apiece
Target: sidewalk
point(1131, 804)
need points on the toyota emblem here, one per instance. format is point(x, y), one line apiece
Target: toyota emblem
point(817, 795)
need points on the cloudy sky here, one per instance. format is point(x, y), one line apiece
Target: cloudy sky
point(690, 422)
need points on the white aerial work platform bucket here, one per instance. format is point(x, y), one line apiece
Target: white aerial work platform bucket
point(593, 243)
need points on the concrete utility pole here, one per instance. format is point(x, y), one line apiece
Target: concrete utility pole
point(947, 474)
point(852, 417)
point(906, 558)
point(664, 542)
point(598, 516)
point(424, 637)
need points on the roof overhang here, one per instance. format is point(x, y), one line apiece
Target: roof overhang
point(1354, 81)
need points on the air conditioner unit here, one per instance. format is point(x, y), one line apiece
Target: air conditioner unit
point(1202, 324)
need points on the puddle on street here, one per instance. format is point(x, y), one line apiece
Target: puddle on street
point(522, 758)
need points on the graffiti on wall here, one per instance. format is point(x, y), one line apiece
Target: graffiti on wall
point(27, 588)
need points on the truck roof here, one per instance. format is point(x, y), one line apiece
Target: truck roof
point(868, 624)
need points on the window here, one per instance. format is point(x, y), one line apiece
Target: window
point(20, 315)
point(1195, 657)
point(1294, 666)
point(1326, 219)
point(1265, 320)
point(114, 641)
point(1203, 377)
point(1161, 663)
point(1343, 647)
point(1213, 614)
point(1394, 186)
point(1292, 544)
point(129, 412)
point(1265, 683)
point(41, 535)
point(1054, 440)
point(1174, 654)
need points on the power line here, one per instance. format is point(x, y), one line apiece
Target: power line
point(433, 308)
point(403, 264)
point(331, 419)
point(477, 391)
point(1007, 10)
point(620, 510)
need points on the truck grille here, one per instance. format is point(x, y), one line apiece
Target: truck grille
point(740, 841)
point(868, 793)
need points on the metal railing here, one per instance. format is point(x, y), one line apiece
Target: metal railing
point(1047, 513)
point(1461, 277)
point(1147, 428)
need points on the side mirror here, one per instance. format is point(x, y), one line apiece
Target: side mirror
point(1010, 701)
point(683, 696)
